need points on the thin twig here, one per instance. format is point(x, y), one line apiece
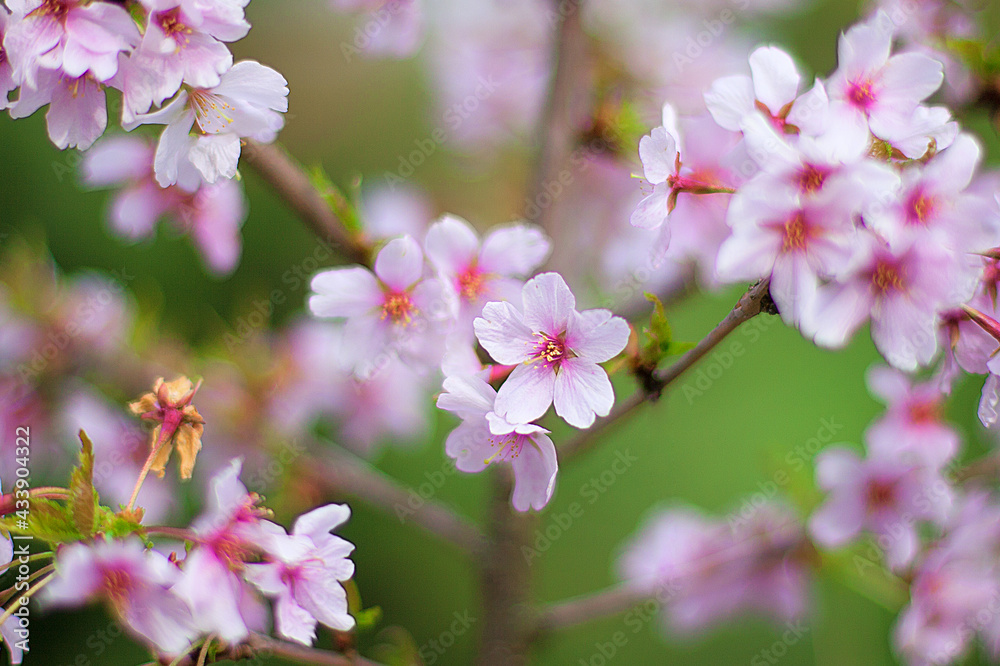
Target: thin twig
point(755, 301)
point(292, 184)
point(346, 473)
point(603, 603)
point(566, 107)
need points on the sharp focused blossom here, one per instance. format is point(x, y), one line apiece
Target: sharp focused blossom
point(556, 350)
point(248, 102)
point(305, 574)
point(135, 583)
point(484, 438)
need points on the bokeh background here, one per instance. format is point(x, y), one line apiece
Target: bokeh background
point(714, 446)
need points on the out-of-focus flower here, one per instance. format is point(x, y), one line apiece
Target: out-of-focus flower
point(135, 583)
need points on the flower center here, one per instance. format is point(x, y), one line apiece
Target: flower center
point(398, 307)
point(886, 277)
point(509, 447)
point(796, 233)
point(811, 179)
point(118, 584)
point(880, 495)
point(230, 550)
point(920, 208)
point(860, 93)
point(550, 351)
point(56, 9)
point(170, 23)
point(471, 284)
point(925, 412)
point(211, 111)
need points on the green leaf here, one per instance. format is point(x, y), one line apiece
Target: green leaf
point(83, 500)
point(114, 524)
point(344, 208)
point(368, 618)
point(45, 519)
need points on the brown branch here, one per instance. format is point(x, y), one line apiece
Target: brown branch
point(506, 579)
point(260, 645)
point(755, 301)
point(567, 105)
point(291, 183)
point(344, 472)
point(603, 603)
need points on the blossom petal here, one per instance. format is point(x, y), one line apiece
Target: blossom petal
point(514, 250)
point(548, 303)
point(527, 393)
point(400, 263)
point(344, 292)
point(775, 78)
point(582, 389)
point(451, 244)
point(535, 470)
point(502, 332)
point(596, 335)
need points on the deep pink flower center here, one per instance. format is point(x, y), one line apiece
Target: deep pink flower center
point(924, 411)
point(797, 233)
point(920, 207)
point(230, 550)
point(550, 351)
point(118, 585)
point(471, 283)
point(398, 307)
point(57, 10)
point(172, 26)
point(507, 447)
point(880, 494)
point(861, 94)
point(886, 277)
point(811, 178)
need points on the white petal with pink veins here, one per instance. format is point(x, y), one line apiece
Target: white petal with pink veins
point(535, 470)
point(548, 303)
point(400, 263)
point(527, 393)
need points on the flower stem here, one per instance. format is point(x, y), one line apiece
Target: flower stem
point(145, 471)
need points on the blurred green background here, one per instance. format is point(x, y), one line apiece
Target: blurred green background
point(713, 450)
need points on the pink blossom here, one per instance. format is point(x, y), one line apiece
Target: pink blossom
point(903, 289)
point(72, 37)
point(393, 311)
point(881, 494)
point(795, 244)
point(390, 211)
point(135, 583)
point(183, 42)
point(556, 350)
point(704, 571)
point(771, 89)
point(7, 80)
point(211, 214)
point(212, 583)
point(77, 113)
point(484, 438)
point(400, 27)
point(934, 203)
point(248, 102)
point(913, 427)
point(305, 573)
point(887, 90)
point(480, 271)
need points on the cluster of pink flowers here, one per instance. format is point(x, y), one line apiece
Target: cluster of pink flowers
point(216, 588)
point(170, 61)
point(546, 351)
